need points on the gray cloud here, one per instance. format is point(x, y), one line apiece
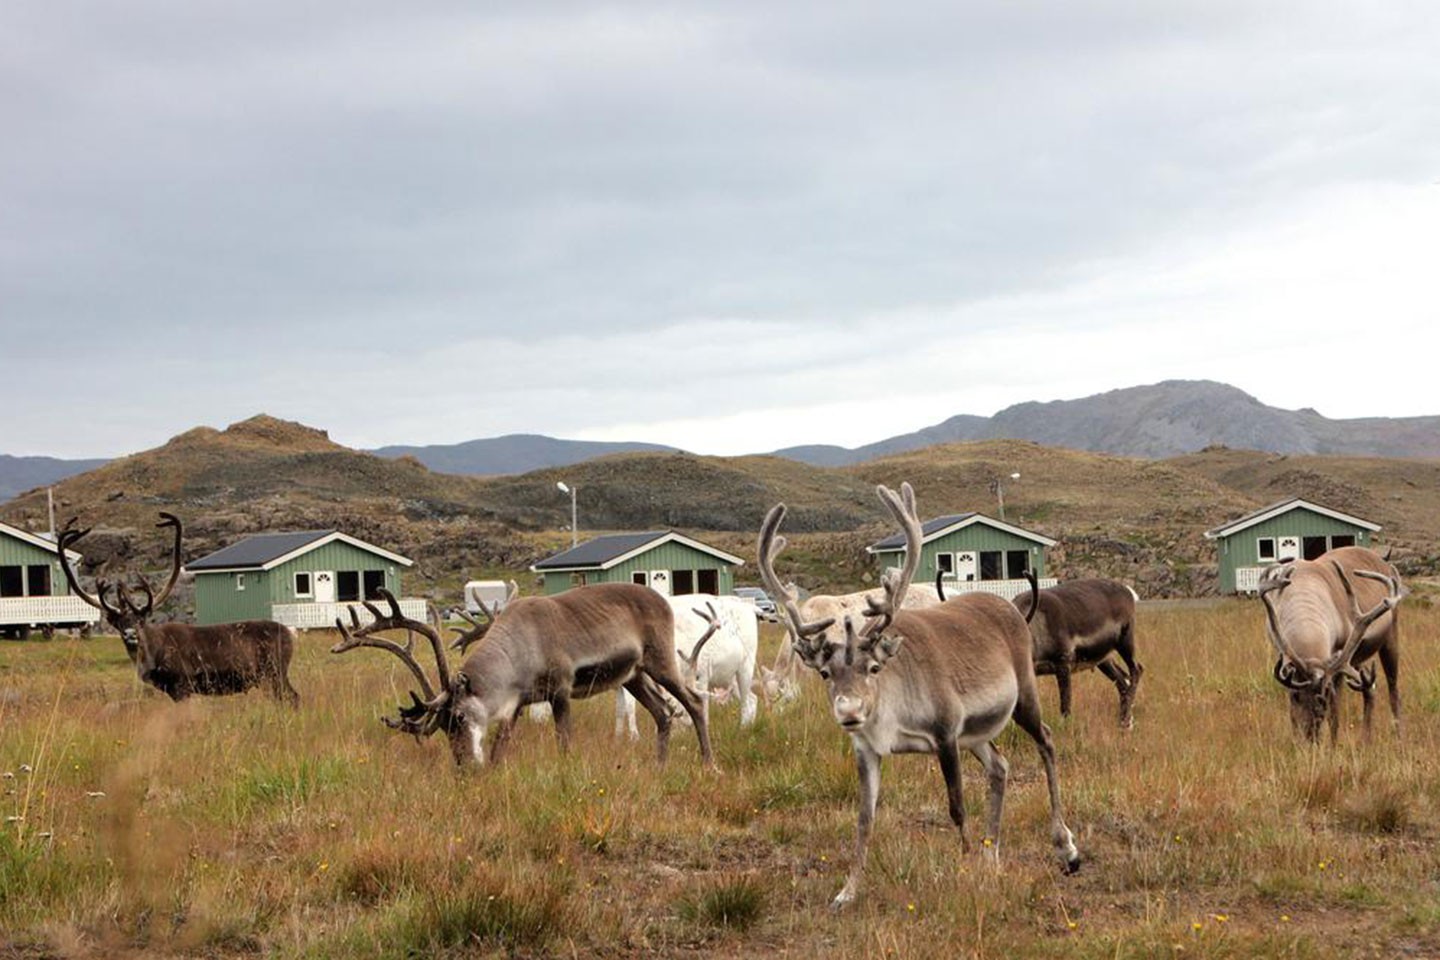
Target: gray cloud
point(215, 209)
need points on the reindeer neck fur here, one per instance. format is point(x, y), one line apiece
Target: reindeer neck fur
point(941, 686)
point(1313, 611)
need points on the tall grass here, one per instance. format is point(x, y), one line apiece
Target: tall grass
point(231, 826)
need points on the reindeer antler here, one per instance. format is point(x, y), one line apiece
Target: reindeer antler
point(769, 548)
point(693, 657)
point(422, 717)
point(902, 508)
point(1340, 663)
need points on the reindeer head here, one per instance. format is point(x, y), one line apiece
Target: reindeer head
point(850, 668)
point(1312, 684)
point(125, 616)
point(445, 705)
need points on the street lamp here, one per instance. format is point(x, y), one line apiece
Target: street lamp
point(999, 491)
point(574, 529)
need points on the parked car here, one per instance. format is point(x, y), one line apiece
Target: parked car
point(757, 596)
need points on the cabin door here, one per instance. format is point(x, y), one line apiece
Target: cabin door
point(1287, 548)
point(324, 586)
point(967, 566)
point(660, 581)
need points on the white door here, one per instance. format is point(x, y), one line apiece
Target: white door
point(324, 586)
point(967, 566)
point(1287, 548)
point(660, 581)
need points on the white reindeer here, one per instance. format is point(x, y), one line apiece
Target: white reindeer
point(726, 661)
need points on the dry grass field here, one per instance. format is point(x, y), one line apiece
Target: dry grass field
point(130, 825)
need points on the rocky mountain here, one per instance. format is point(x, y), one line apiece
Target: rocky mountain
point(1161, 420)
point(514, 453)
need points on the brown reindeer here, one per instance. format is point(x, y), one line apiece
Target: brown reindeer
point(1326, 617)
point(936, 680)
point(540, 649)
point(180, 659)
point(1079, 624)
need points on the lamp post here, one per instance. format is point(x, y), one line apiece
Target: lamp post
point(999, 491)
point(574, 530)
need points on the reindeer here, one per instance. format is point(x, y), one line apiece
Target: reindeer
point(935, 680)
point(1325, 618)
point(725, 631)
point(1077, 625)
point(181, 659)
point(539, 649)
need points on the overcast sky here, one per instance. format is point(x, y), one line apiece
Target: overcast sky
point(729, 227)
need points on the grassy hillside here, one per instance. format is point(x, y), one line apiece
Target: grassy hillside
point(1138, 520)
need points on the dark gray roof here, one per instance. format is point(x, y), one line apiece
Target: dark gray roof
point(257, 551)
point(601, 550)
point(897, 541)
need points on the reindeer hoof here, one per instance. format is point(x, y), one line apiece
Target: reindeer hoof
point(1072, 866)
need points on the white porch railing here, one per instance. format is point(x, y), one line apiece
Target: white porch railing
point(1247, 579)
point(1009, 589)
point(319, 616)
point(35, 611)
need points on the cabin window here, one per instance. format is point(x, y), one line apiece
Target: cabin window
point(640, 578)
point(578, 579)
point(12, 583)
point(37, 579)
point(302, 584)
point(374, 583)
point(1313, 547)
point(347, 585)
point(1342, 540)
point(1265, 549)
point(992, 565)
point(708, 581)
point(945, 563)
point(239, 581)
point(1017, 563)
point(682, 582)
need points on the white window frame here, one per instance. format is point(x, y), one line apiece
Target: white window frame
point(239, 581)
point(310, 579)
point(1260, 551)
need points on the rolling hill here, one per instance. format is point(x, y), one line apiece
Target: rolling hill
point(1135, 519)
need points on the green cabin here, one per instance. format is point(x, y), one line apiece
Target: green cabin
point(1293, 529)
point(974, 552)
point(671, 563)
point(303, 579)
point(33, 591)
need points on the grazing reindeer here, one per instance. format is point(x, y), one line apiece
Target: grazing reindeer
point(726, 632)
point(180, 659)
point(540, 649)
point(935, 680)
point(1077, 625)
point(1325, 618)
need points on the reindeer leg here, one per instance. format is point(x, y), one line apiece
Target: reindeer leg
point(1063, 667)
point(643, 689)
point(867, 763)
point(1027, 717)
point(998, 772)
point(695, 707)
point(560, 709)
point(949, 755)
point(625, 715)
point(1123, 686)
point(1390, 663)
point(504, 729)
